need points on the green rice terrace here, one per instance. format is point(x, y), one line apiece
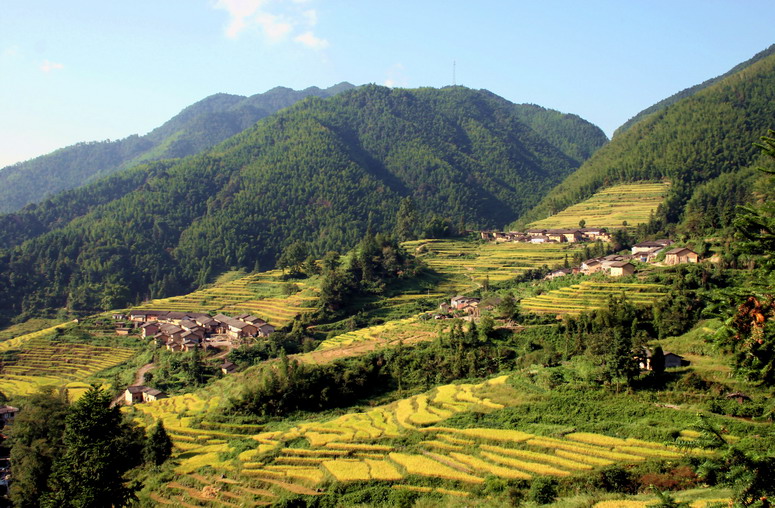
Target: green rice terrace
point(263, 294)
point(611, 207)
point(591, 295)
point(465, 265)
point(39, 359)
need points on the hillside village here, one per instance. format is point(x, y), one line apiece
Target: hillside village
point(615, 265)
point(185, 331)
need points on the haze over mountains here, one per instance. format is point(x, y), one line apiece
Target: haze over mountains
point(195, 129)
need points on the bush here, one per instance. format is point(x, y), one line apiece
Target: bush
point(543, 490)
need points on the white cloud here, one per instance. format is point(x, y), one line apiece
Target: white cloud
point(278, 20)
point(240, 11)
point(48, 66)
point(311, 41)
point(275, 28)
point(395, 76)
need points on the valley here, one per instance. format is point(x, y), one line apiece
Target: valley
point(378, 296)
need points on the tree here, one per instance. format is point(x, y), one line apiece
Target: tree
point(158, 447)
point(582, 223)
point(36, 440)
point(406, 220)
point(293, 257)
point(658, 360)
point(99, 447)
point(757, 225)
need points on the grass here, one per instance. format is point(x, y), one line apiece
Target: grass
point(611, 207)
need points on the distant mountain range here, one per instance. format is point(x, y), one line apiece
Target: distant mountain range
point(195, 129)
point(322, 171)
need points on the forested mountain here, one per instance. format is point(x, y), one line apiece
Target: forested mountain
point(695, 144)
point(195, 129)
point(688, 92)
point(322, 171)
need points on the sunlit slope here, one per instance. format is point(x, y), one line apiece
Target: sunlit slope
point(38, 359)
point(613, 207)
point(466, 264)
point(263, 294)
point(404, 442)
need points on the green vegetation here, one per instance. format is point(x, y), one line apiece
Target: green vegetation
point(322, 172)
point(694, 141)
point(194, 130)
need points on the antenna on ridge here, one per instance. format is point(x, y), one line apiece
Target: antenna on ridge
point(454, 81)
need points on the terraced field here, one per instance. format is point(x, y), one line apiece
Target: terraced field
point(30, 361)
point(610, 207)
point(362, 446)
point(410, 329)
point(260, 294)
point(465, 264)
point(590, 295)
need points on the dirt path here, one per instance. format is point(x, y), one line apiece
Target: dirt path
point(139, 378)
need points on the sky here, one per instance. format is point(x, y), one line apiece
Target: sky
point(94, 70)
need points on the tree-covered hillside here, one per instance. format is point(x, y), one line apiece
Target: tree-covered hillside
point(195, 129)
point(692, 142)
point(321, 172)
point(688, 92)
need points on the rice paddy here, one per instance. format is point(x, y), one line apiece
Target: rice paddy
point(466, 265)
point(37, 359)
point(611, 207)
point(260, 294)
point(591, 295)
point(361, 446)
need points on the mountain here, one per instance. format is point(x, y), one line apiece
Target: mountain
point(693, 142)
point(688, 92)
point(195, 129)
point(323, 172)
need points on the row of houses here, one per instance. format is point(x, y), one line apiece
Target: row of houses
point(618, 265)
point(184, 331)
point(577, 235)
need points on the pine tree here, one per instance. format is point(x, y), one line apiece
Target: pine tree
point(158, 447)
point(98, 449)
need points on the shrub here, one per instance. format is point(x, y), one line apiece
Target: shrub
point(543, 490)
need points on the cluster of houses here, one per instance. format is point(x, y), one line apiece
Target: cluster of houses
point(618, 265)
point(184, 331)
point(577, 235)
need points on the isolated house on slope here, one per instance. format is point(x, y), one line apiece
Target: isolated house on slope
point(681, 255)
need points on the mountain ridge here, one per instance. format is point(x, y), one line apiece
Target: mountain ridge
point(197, 127)
point(323, 171)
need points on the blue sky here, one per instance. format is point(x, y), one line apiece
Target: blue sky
point(94, 70)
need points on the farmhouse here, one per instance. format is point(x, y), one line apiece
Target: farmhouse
point(681, 255)
point(7, 414)
point(140, 393)
point(673, 360)
point(228, 367)
point(459, 302)
point(236, 328)
point(620, 268)
point(562, 272)
point(646, 246)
